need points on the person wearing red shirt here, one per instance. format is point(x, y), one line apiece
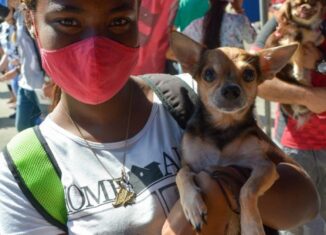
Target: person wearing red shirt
point(307, 145)
point(155, 24)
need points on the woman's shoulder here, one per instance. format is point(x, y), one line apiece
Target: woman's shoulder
point(22, 219)
point(143, 86)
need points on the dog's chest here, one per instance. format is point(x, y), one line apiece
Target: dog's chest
point(202, 155)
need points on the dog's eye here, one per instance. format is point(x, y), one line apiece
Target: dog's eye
point(248, 75)
point(209, 75)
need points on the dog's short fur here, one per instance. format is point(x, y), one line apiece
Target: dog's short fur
point(223, 130)
point(298, 21)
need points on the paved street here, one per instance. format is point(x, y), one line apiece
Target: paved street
point(7, 125)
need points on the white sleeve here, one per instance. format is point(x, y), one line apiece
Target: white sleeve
point(17, 215)
point(186, 77)
point(248, 31)
point(195, 30)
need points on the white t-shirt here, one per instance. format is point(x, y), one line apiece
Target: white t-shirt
point(152, 161)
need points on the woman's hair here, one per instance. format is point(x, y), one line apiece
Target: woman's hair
point(213, 22)
point(4, 12)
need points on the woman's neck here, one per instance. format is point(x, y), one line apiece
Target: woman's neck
point(106, 122)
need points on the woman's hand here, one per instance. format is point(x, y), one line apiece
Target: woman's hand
point(218, 211)
point(290, 202)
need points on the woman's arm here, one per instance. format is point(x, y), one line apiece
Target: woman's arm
point(10, 75)
point(286, 93)
point(3, 63)
point(282, 92)
point(290, 202)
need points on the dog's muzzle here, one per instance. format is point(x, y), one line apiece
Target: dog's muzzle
point(231, 92)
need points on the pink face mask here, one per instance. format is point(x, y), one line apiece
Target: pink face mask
point(93, 70)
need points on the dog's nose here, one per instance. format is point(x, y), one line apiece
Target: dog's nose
point(231, 92)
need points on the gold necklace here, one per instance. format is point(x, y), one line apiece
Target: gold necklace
point(126, 195)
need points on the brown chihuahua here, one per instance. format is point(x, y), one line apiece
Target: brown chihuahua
point(298, 21)
point(223, 130)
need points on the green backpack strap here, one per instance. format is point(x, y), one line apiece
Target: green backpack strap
point(33, 166)
point(176, 95)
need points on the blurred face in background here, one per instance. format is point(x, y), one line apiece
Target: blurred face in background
point(13, 3)
point(236, 5)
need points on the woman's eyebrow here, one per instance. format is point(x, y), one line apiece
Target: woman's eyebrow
point(127, 5)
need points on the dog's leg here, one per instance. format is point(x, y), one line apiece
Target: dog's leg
point(191, 200)
point(263, 176)
point(197, 155)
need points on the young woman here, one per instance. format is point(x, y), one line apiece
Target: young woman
point(114, 144)
point(104, 124)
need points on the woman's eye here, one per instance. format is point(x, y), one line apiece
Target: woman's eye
point(68, 22)
point(119, 22)
point(209, 75)
point(248, 75)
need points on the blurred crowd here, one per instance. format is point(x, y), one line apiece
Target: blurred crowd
point(214, 23)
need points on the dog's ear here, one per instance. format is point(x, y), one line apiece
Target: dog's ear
point(272, 60)
point(186, 50)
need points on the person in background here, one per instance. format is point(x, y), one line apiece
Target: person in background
point(188, 11)
point(4, 10)
point(10, 64)
point(219, 28)
point(155, 24)
point(28, 110)
point(307, 145)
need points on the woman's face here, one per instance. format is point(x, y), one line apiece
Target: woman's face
point(62, 22)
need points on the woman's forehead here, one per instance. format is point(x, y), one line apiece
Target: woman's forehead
point(114, 5)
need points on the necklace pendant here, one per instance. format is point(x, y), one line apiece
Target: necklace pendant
point(126, 196)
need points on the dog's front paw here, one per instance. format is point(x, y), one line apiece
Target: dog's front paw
point(195, 210)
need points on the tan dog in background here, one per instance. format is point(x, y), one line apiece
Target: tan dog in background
point(223, 130)
point(298, 21)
